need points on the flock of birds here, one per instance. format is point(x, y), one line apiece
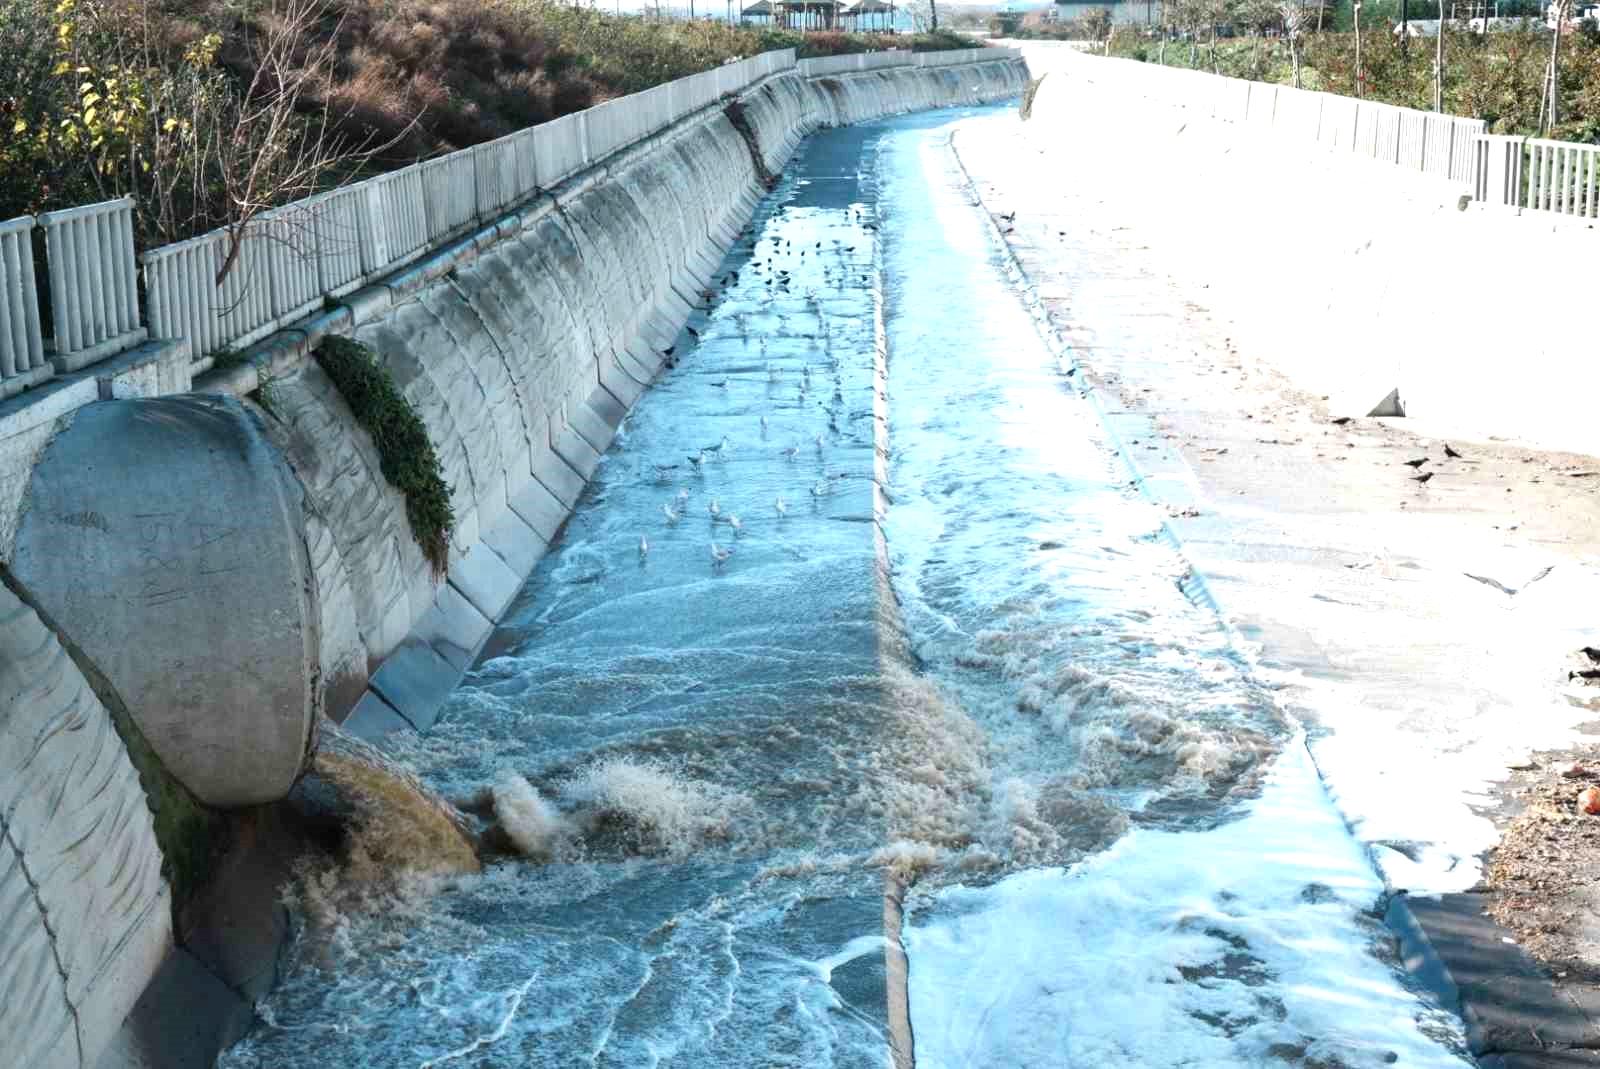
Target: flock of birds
point(1416, 464)
point(779, 262)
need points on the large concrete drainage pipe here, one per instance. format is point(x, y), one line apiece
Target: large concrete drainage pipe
point(166, 537)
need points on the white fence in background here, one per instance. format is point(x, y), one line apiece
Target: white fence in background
point(285, 263)
point(1562, 177)
point(1442, 145)
point(896, 57)
point(22, 362)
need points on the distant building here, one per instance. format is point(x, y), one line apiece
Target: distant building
point(1123, 12)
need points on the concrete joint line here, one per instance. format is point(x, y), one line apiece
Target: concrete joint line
point(444, 396)
point(505, 361)
point(44, 921)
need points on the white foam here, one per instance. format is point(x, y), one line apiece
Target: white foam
point(533, 825)
point(1232, 946)
point(658, 809)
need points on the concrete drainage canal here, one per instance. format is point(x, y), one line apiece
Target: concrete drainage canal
point(858, 717)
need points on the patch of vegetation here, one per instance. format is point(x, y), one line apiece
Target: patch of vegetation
point(200, 106)
point(406, 452)
point(1497, 77)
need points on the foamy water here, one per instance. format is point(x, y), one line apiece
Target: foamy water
point(706, 775)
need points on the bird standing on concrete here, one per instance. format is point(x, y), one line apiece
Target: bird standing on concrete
point(719, 556)
point(780, 506)
point(644, 547)
point(1423, 478)
point(714, 508)
point(1451, 453)
point(1417, 463)
point(667, 511)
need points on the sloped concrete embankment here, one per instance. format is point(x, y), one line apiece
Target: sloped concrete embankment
point(1359, 278)
point(227, 574)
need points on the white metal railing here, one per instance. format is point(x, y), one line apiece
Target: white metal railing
point(894, 57)
point(22, 362)
point(1425, 141)
point(1563, 177)
point(94, 294)
point(180, 282)
point(449, 193)
point(1497, 172)
point(336, 217)
point(286, 262)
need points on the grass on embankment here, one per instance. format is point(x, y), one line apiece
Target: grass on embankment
point(102, 97)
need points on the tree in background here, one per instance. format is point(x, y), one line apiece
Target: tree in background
point(1097, 24)
point(1359, 79)
point(125, 110)
point(1438, 62)
point(1293, 14)
point(1217, 12)
point(1550, 105)
point(1259, 17)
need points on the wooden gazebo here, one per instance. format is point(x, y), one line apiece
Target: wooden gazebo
point(870, 16)
point(806, 14)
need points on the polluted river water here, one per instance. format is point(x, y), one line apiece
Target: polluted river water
point(861, 639)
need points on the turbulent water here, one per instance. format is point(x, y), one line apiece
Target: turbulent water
point(949, 648)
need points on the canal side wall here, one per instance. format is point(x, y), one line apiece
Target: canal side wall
point(231, 564)
point(1359, 277)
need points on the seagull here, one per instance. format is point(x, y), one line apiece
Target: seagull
point(683, 497)
point(819, 443)
point(763, 423)
point(714, 508)
point(734, 522)
point(1451, 453)
point(792, 452)
point(699, 459)
point(719, 556)
point(667, 511)
point(780, 506)
point(1416, 463)
point(820, 488)
point(644, 547)
point(1510, 591)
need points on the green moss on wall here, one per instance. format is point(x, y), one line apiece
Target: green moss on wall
point(407, 455)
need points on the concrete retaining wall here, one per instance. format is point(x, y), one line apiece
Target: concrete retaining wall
point(1356, 277)
point(85, 916)
point(235, 573)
